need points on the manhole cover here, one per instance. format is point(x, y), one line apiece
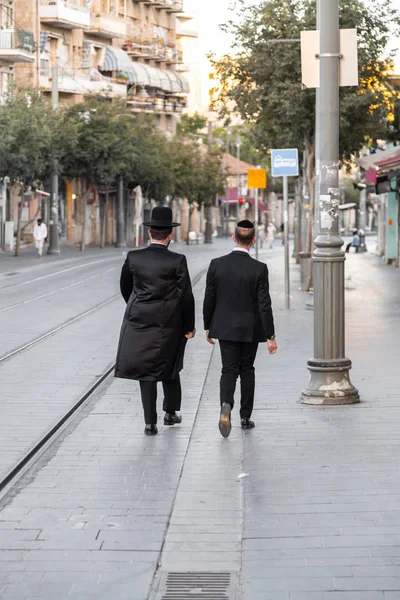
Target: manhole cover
point(9, 274)
point(197, 586)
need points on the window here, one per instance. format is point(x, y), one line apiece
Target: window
point(44, 66)
point(6, 16)
point(63, 54)
point(5, 80)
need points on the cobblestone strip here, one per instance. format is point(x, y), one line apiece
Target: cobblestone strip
point(91, 521)
point(322, 503)
point(204, 533)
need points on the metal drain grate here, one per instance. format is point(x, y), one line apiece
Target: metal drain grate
point(198, 586)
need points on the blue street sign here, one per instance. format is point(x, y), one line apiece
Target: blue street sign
point(285, 163)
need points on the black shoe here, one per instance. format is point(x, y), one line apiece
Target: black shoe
point(151, 430)
point(225, 425)
point(172, 419)
point(247, 423)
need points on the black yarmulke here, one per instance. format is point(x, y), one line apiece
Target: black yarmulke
point(246, 224)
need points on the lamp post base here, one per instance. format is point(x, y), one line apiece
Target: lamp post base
point(330, 383)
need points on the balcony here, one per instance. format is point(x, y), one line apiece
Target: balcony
point(143, 44)
point(156, 105)
point(108, 26)
point(17, 46)
point(182, 31)
point(182, 67)
point(174, 6)
point(83, 83)
point(64, 13)
point(156, 3)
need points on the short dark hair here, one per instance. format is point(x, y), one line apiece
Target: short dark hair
point(39, 221)
point(160, 234)
point(244, 235)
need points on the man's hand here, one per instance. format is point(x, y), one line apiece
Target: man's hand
point(209, 340)
point(191, 334)
point(272, 346)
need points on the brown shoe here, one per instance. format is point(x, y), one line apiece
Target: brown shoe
point(225, 424)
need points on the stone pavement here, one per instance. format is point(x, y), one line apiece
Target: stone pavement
point(108, 513)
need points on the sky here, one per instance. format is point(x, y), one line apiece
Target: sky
point(208, 15)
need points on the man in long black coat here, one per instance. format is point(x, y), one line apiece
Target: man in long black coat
point(159, 318)
point(237, 311)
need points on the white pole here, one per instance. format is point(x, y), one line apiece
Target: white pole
point(286, 236)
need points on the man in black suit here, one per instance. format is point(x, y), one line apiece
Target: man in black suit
point(158, 321)
point(237, 311)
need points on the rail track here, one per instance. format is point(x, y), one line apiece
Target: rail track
point(28, 459)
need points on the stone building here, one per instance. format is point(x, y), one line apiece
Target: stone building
point(127, 49)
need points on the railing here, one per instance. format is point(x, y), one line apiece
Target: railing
point(17, 39)
point(146, 45)
point(175, 5)
point(65, 4)
point(156, 105)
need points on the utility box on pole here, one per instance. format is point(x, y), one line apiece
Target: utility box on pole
point(310, 63)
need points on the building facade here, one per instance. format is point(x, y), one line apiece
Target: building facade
point(120, 48)
point(125, 49)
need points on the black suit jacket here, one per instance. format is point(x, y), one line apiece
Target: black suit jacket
point(155, 283)
point(237, 304)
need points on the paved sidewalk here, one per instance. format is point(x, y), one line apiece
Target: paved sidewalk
point(108, 514)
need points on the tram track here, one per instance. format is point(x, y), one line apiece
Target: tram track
point(27, 460)
point(52, 332)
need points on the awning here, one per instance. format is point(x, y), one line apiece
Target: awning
point(168, 81)
point(261, 206)
point(116, 59)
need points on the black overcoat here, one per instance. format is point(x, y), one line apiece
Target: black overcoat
point(155, 283)
point(237, 304)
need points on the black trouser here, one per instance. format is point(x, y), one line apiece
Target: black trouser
point(238, 359)
point(172, 398)
point(351, 246)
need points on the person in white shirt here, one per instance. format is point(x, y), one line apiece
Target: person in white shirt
point(40, 234)
point(271, 231)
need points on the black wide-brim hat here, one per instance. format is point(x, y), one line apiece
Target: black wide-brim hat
point(161, 217)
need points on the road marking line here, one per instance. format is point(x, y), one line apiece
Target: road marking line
point(55, 291)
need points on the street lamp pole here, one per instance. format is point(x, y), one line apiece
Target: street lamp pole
point(53, 245)
point(238, 144)
point(286, 239)
point(329, 369)
point(121, 242)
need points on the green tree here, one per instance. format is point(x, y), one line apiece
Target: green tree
point(104, 151)
point(211, 182)
point(191, 125)
point(29, 126)
point(262, 77)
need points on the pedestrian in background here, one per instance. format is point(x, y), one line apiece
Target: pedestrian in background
point(355, 242)
point(158, 321)
point(261, 234)
point(271, 232)
point(283, 233)
point(39, 235)
point(237, 311)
